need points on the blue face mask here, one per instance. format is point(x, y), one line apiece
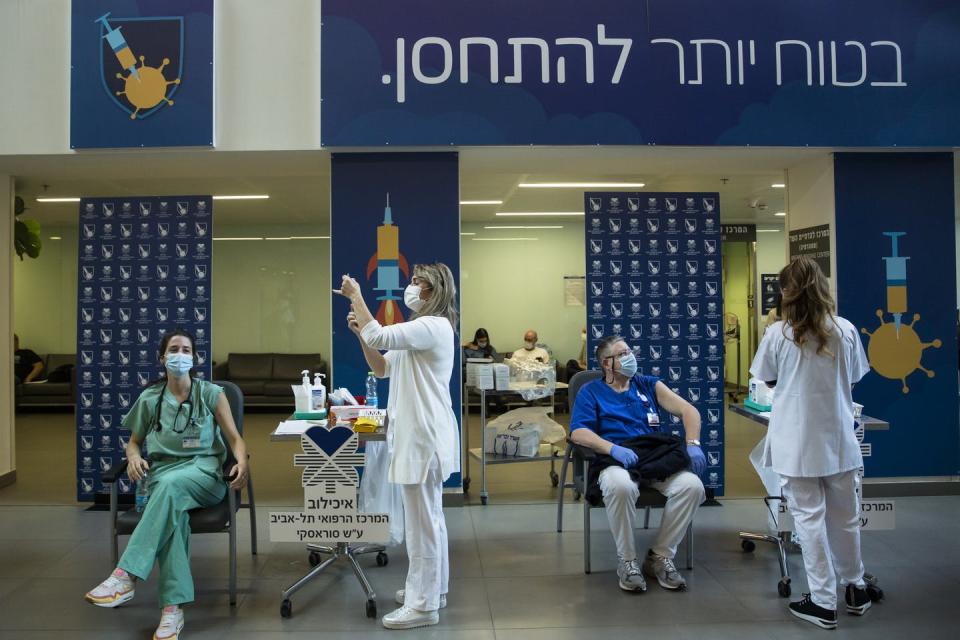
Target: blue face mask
point(628, 365)
point(179, 364)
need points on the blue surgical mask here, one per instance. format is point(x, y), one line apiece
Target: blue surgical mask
point(628, 365)
point(179, 364)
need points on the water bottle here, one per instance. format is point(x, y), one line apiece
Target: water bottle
point(371, 390)
point(143, 494)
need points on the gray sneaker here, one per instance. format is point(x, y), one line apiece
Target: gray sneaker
point(630, 576)
point(664, 571)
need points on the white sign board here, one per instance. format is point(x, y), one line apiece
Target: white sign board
point(330, 489)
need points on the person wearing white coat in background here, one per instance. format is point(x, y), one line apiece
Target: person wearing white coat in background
point(423, 429)
point(814, 358)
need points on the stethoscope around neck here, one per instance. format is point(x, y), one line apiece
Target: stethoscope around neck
point(190, 420)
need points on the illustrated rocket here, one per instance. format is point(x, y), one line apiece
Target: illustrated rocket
point(896, 267)
point(388, 262)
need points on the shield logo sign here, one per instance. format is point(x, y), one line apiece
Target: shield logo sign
point(141, 62)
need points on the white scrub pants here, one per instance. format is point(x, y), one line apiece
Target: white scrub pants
point(426, 533)
point(826, 516)
point(684, 493)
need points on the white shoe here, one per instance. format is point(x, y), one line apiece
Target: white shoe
point(401, 593)
point(112, 592)
point(171, 624)
point(409, 618)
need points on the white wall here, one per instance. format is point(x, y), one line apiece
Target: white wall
point(811, 201)
point(7, 448)
point(267, 91)
point(509, 287)
point(45, 293)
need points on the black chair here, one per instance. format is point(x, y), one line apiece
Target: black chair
point(220, 518)
point(580, 458)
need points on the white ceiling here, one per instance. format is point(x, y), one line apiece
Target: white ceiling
point(298, 181)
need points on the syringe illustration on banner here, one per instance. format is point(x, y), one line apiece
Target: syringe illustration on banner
point(330, 480)
point(388, 262)
point(895, 350)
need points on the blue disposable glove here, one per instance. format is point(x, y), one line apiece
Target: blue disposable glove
point(698, 461)
point(624, 456)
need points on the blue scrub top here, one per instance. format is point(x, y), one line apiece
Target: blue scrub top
point(616, 417)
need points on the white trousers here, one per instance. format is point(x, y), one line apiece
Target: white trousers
point(426, 532)
point(826, 516)
point(684, 493)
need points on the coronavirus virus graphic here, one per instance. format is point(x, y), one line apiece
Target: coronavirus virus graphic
point(895, 354)
point(147, 87)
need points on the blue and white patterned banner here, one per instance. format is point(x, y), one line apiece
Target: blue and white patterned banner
point(654, 277)
point(144, 268)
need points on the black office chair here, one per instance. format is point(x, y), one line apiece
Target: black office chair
point(580, 458)
point(216, 519)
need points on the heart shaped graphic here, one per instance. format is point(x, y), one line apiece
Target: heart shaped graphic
point(329, 440)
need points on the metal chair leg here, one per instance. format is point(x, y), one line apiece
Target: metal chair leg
point(563, 486)
point(232, 533)
point(253, 514)
point(114, 546)
point(586, 527)
point(690, 546)
point(646, 518)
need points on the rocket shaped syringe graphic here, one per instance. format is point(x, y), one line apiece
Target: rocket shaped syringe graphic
point(896, 280)
point(388, 262)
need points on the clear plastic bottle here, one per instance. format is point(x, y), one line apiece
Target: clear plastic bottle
point(143, 494)
point(371, 390)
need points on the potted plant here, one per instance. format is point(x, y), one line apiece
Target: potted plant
point(26, 233)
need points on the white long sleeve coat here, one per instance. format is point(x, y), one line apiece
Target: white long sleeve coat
point(420, 357)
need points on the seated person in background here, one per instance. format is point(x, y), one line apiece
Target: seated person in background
point(530, 350)
point(480, 347)
point(27, 365)
point(612, 410)
point(580, 364)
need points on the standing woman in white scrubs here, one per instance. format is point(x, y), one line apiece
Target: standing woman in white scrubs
point(423, 434)
point(814, 358)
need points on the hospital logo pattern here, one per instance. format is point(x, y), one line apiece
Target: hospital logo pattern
point(144, 268)
point(654, 277)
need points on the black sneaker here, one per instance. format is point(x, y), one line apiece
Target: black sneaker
point(858, 600)
point(807, 610)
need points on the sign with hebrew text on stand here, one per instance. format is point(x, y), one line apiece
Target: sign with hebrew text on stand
point(330, 482)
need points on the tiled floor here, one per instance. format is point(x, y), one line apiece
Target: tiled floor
point(513, 577)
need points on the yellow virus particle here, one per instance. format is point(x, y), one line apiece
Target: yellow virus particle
point(897, 356)
point(149, 90)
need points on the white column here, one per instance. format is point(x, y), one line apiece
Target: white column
point(7, 432)
point(811, 201)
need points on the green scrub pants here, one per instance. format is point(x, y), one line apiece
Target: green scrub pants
point(163, 534)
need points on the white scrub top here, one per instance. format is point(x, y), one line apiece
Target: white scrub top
point(531, 355)
point(811, 423)
point(422, 423)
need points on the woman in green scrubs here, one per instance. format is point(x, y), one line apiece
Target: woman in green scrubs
point(177, 420)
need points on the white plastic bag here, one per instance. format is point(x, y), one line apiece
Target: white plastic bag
point(379, 495)
point(516, 439)
point(551, 432)
point(533, 380)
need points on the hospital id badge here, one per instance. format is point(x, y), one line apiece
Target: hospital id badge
point(191, 439)
point(653, 419)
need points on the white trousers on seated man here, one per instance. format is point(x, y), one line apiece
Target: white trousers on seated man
point(684, 493)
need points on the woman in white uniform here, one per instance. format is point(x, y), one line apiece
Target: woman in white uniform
point(814, 358)
point(425, 441)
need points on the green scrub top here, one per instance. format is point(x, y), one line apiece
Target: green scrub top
point(177, 440)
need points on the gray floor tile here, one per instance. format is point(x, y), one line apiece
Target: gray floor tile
point(661, 632)
point(29, 558)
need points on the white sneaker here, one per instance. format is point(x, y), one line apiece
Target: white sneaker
point(112, 592)
point(409, 618)
point(171, 624)
point(401, 593)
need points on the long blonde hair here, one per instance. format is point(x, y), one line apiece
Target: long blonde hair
point(443, 300)
point(807, 306)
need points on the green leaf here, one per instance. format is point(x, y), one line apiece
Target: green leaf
point(26, 238)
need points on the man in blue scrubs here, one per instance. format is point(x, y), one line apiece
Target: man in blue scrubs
point(613, 409)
